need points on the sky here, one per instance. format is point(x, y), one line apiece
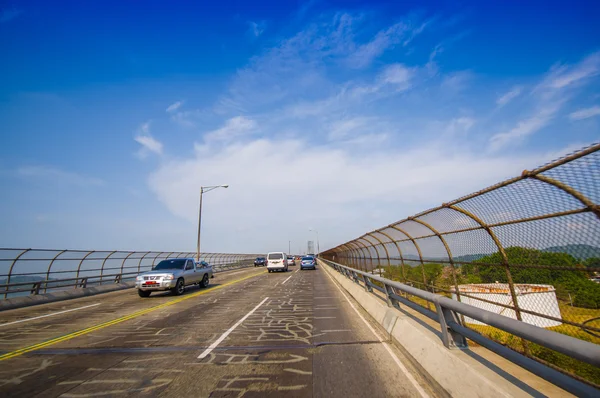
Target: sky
point(340, 117)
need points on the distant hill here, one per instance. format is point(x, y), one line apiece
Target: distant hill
point(580, 252)
point(469, 258)
point(22, 278)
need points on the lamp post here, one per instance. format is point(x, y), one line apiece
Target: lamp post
point(318, 248)
point(202, 191)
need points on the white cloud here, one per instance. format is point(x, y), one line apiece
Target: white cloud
point(456, 81)
point(397, 74)
point(174, 106)
point(565, 76)
point(366, 53)
point(523, 128)
point(341, 129)
point(509, 96)
point(148, 143)
point(585, 113)
point(556, 88)
point(347, 185)
point(460, 125)
point(56, 175)
point(256, 28)
point(233, 128)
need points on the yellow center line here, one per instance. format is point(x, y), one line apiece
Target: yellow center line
point(124, 318)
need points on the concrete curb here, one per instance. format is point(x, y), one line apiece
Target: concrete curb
point(26, 301)
point(454, 370)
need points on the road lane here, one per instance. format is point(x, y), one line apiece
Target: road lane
point(304, 339)
point(64, 321)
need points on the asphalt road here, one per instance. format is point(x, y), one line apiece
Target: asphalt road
point(250, 334)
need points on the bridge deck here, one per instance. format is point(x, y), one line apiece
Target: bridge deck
point(299, 336)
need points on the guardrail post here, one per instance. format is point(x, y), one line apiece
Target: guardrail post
point(83, 282)
point(450, 338)
point(368, 287)
point(392, 302)
point(35, 289)
point(118, 278)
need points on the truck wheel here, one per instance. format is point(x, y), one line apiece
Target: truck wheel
point(205, 281)
point(179, 287)
point(144, 293)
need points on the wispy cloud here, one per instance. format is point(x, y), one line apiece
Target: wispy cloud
point(508, 96)
point(565, 76)
point(556, 88)
point(585, 113)
point(256, 28)
point(9, 14)
point(56, 175)
point(233, 128)
point(148, 143)
point(174, 106)
point(523, 128)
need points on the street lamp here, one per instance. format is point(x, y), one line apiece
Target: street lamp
point(318, 248)
point(202, 191)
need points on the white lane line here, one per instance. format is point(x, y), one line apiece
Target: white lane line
point(385, 345)
point(297, 270)
point(231, 329)
point(47, 315)
point(288, 278)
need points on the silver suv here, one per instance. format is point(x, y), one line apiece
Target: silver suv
point(173, 274)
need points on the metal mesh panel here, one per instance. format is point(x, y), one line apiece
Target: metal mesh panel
point(34, 271)
point(527, 248)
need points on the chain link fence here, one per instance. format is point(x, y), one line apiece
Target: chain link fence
point(35, 271)
point(527, 248)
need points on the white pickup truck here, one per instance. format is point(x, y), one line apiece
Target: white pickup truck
point(174, 275)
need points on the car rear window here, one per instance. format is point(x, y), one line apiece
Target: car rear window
point(307, 258)
point(275, 256)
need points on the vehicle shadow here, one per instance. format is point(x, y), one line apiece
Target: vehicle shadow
point(188, 290)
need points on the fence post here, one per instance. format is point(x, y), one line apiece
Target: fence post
point(450, 338)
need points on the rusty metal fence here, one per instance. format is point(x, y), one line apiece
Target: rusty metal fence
point(35, 271)
point(527, 248)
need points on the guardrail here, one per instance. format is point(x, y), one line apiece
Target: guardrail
point(527, 248)
point(35, 271)
point(455, 335)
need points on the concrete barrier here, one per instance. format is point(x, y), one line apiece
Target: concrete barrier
point(26, 301)
point(471, 372)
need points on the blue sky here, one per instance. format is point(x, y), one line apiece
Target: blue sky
point(336, 116)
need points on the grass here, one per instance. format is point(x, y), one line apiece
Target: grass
point(573, 314)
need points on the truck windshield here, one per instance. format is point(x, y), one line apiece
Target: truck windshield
point(170, 264)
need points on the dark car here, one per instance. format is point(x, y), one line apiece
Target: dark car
point(260, 262)
point(308, 262)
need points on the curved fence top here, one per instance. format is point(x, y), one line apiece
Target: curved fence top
point(527, 248)
point(553, 208)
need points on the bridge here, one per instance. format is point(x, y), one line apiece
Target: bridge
point(495, 293)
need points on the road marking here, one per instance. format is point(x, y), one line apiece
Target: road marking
point(288, 278)
point(385, 345)
point(300, 372)
point(231, 329)
point(136, 314)
point(47, 315)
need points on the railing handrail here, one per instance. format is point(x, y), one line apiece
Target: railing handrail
point(450, 324)
point(118, 264)
point(576, 348)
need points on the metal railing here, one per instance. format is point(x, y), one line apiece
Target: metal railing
point(454, 334)
point(35, 271)
point(527, 248)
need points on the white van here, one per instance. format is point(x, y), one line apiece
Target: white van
point(277, 261)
